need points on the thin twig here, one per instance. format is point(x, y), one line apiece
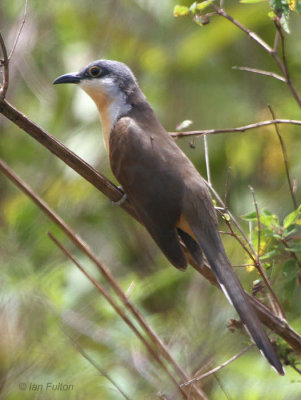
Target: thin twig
point(285, 159)
point(227, 211)
point(278, 307)
point(238, 129)
point(4, 63)
point(219, 367)
point(207, 160)
point(272, 51)
point(261, 72)
point(252, 35)
point(258, 222)
point(276, 42)
point(284, 60)
point(118, 309)
point(99, 369)
point(19, 31)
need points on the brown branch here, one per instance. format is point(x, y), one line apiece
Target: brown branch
point(285, 159)
point(219, 367)
point(252, 35)
point(284, 66)
point(261, 72)
point(116, 307)
point(272, 51)
point(4, 63)
point(238, 129)
point(67, 156)
point(259, 266)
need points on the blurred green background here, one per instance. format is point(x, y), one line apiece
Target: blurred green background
point(186, 73)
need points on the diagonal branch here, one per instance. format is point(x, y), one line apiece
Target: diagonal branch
point(285, 159)
point(261, 72)
point(238, 129)
point(4, 63)
point(116, 307)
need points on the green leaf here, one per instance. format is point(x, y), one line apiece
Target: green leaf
point(252, 216)
point(269, 254)
point(296, 248)
point(204, 4)
point(226, 217)
point(292, 217)
point(269, 219)
point(290, 269)
point(180, 11)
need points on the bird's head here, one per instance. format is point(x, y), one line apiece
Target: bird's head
point(103, 79)
point(112, 86)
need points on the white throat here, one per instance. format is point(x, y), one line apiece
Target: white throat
point(110, 101)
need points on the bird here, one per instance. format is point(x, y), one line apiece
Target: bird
point(168, 194)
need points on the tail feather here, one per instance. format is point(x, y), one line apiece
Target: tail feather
point(234, 291)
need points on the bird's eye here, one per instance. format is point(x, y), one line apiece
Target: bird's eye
point(95, 71)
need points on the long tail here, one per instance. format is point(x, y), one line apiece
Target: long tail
point(212, 246)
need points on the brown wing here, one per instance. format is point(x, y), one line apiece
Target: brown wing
point(142, 161)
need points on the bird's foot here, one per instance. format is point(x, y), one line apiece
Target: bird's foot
point(122, 200)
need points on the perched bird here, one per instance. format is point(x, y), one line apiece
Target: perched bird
point(168, 194)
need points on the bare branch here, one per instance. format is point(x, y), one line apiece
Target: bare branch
point(231, 130)
point(252, 35)
point(116, 307)
point(4, 63)
point(19, 31)
point(261, 72)
point(285, 159)
point(272, 51)
point(207, 160)
point(219, 367)
point(259, 266)
point(284, 66)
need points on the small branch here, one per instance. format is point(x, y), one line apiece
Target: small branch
point(272, 51)
point(284, 66)
point(285, 159)
point(4, 63)
point(227, 211)
point(19, 31)
point(280, 311)
point(216, 369)
point(261, 72)
point(258, 223)
point(118, 309)
point(207, 160)
point(238, 129)
point(252, 35)
point(276, 42)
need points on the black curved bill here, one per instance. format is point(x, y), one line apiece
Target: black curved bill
point(67, 78)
